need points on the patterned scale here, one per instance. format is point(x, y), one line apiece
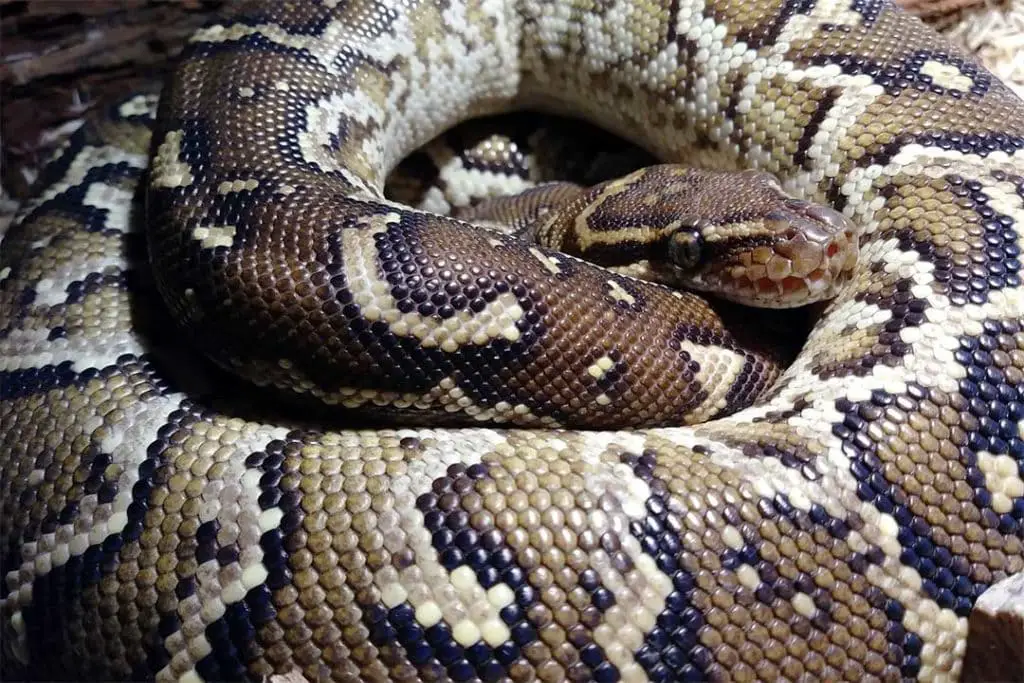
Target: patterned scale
point(162, 519)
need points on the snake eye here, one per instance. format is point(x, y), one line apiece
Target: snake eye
point(685, 248)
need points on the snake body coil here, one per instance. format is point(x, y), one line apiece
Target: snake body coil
point(157, 524)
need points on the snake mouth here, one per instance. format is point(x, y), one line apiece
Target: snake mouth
point(811, 252)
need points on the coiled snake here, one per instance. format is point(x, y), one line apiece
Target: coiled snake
point(161, 521)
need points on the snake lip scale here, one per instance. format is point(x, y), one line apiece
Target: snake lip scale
point(643, 491)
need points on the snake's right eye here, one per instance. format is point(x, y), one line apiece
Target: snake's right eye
point(685, 248)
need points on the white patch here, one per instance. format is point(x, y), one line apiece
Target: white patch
point(748, 576)
point(233, 499)
point(550, 263)
point(618, 293)
point(803, 605)
point(732, 537)
point(464, 186)
point(114, 199)
point(85, 160)
point(624, 498)
point(456, 597)
point(324, 119)
point(140, 105)
point(718, 368)
point(1002, 479)
point(325, 48)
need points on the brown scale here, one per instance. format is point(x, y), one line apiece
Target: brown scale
point(788, 142)
point(258, 274)
point(967, 255)
point(544, 364)
point(755, 23)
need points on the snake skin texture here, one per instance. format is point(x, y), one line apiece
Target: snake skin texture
point(161, 520)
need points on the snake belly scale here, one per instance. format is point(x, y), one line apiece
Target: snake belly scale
point(154, 526)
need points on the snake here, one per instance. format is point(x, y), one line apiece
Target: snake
point(259, 420)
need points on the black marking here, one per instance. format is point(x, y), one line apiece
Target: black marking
point(673, 20)
point(994, 405)
point(813, 126)
point(768, 33)
point(57, 596)
point(71, 202)
point(672, 650)
point(16, 384)
point(459, 543)
point(889, 348)
point(869, 10)
point(904, 72)
point(992, 261)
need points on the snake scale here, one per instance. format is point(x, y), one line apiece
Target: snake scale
point(162, 521)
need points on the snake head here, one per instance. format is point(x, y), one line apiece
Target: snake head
point(760, 247)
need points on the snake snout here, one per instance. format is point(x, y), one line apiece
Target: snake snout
point(816, 248)
point(807, 253)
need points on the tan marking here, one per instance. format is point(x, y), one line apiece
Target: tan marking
point(748, 576)
point(229, 186)
point(732, 537)
point(116, 199)
point(246, 91)
point(600, 367)
point(373, 295)
point(657, 586)
point(587, 238)
point(947, 75)
point(455, 596)
point(168, 170)
point(803, 604)
point(360, 164)
point(214, 235)
point(428, 614)
point(140, 105)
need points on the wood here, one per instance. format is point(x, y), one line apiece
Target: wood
point(995, 637)
point(59, 58)
point(941, 13)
